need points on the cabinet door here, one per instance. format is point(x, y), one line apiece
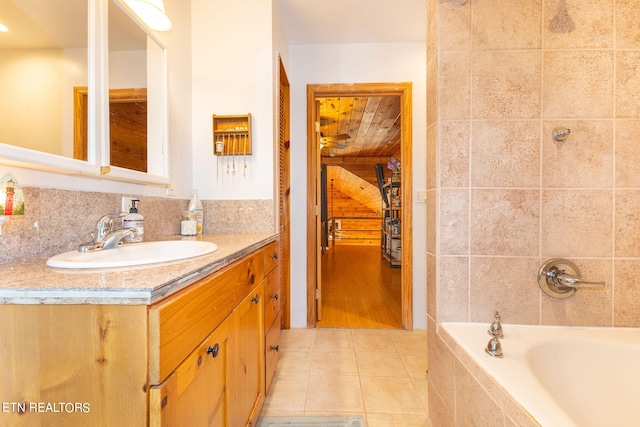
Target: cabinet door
point(195, 394)
point(247, 359)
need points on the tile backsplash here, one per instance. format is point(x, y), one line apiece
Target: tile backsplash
point(57, 221)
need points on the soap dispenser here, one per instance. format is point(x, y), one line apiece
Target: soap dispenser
point(135, 220)
point(195, 206)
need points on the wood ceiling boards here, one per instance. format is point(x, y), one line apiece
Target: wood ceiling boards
point(373, 124)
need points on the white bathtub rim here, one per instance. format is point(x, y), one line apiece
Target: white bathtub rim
point(523, 387)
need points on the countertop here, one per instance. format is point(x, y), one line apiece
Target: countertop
point(32, 282)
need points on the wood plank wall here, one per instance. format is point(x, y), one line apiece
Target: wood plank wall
point(354, 231)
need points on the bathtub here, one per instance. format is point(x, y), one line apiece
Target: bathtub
point(562, 376)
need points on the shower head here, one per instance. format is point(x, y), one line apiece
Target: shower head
point(560, 134)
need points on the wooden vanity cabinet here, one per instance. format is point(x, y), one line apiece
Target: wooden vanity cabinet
point(203, 390)
point(195, 358)
point(246, 385)
point(272, 312)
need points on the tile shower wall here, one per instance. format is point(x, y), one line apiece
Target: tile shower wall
point(65, 218)
point(503, 195)
point(508, 196)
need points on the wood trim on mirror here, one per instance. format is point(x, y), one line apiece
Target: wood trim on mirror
point(129, 152)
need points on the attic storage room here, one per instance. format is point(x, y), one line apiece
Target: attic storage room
point(360, 148)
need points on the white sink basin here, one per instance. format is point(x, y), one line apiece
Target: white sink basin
point(133, 254)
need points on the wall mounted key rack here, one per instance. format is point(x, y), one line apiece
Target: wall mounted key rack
point(234, 132)
point(232, 138)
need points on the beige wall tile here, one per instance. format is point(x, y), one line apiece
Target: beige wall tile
point(432, 274)
point(578, 84)
point(576, 223)
point(505, 154)
point(454, 153)
point(431, 221)
point(453, 289)
point(628, 83)
point(583, 160)
point(505, 222)
point(454, 26)
point(475, 404)
point(592, 24)
point(432, 146)
point(439, 414)
point(505, 84)
point(504, 25)
point(587, 307)
point(454, 85)
point(627, 28)
point(627, 221)
point(507, 285)
point(432, 91)
point(627, 293)
point(627, 153)
point(432, 28)
point(454, 221)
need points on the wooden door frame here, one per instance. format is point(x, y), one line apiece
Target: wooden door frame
point(284, 223)
point(362, 89)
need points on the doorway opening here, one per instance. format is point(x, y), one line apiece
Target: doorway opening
point(352, 128)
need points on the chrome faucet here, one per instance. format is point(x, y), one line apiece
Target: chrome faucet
point(495, 329)
point(105, 236)
point(494, 348)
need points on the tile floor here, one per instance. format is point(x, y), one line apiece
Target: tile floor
point(378, 373)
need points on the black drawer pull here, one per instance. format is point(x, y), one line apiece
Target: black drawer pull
point(213, 351)
point(256, 299)
point(275, 348)
point(275, 297)
point(274, 256)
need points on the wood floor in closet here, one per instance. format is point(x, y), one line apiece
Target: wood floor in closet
point(359, 289)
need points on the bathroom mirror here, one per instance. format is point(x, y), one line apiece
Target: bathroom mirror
point(137, 113)
point(44, 99)
point(43, 55)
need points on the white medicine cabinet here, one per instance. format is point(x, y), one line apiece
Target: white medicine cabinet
point(84, 84)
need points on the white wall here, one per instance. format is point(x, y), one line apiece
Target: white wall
point(356, 63)
point(31, 82)
point(233, 74)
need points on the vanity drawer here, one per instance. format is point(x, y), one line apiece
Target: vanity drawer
point(271, 297)
point(271, 256)
point(179, 323)
point(272, 351)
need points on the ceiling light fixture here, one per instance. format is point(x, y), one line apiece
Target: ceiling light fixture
point(152, 13)
point(3, 29)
